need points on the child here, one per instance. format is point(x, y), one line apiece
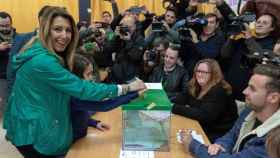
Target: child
point(80, 109)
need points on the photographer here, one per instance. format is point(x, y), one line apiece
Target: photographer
point(180, 6)
point(98, 48)
point(135, 11)
point(7, 34)
point(154, 56)
point(161, 27)
point(202, 43)
point(210, 40)
point(128, 47)
point(235, 51)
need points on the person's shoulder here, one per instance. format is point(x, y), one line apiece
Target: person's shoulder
point(180, 68)
point(44, 56)
point(218, 89)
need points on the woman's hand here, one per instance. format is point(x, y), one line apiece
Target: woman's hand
point(136, 85)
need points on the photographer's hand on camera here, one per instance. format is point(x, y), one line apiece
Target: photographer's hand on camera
point(247, 32)
point(4, 46)
point(165, 26)
point(193, 35)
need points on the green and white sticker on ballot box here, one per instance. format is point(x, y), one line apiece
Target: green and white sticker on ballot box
point(154, 98)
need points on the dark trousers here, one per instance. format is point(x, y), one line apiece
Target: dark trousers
point(28, 151)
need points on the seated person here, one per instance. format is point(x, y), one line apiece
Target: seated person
point(208, 100)
point(247, 137)
point(173, 77)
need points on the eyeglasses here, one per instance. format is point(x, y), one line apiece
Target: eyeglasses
point(202, 72)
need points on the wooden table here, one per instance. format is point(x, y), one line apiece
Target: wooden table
point(108, 144)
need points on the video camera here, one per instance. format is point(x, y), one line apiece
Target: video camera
point(237, 22)
point(157, 25)
point(196, 22)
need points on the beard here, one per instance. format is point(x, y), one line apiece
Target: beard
point(255, 108)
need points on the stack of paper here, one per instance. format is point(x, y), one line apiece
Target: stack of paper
point(137, 154)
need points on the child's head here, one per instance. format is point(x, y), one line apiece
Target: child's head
point(83, 67)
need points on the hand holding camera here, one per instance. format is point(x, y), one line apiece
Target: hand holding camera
point(4, 46)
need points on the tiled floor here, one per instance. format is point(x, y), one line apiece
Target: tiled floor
point(6, 149)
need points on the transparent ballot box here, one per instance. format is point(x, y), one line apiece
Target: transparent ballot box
point(146, 122)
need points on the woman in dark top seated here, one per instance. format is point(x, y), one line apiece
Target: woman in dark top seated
point(208, 100)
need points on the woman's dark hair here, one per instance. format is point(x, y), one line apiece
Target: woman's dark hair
point(80, 65)
point(4, 15)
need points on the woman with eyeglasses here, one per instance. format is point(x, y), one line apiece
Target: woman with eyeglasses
point(208, 100)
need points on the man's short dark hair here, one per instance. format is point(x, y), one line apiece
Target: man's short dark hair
point(4, 15)
point(161, 41)
point(271, 71)
point(106, 12)
point(174, 46)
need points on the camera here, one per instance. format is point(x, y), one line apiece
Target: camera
point(237, 22)
point(101, 24)
point(89, 35)
point(157, 27)
point(267, 57)
point(196, 20)
point(151, 55)
point(124, 30)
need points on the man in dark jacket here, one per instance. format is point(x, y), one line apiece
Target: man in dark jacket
point(235, 52)
point(7, 34)
point(173, 77)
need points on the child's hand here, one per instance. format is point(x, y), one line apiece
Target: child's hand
point(102, 126)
